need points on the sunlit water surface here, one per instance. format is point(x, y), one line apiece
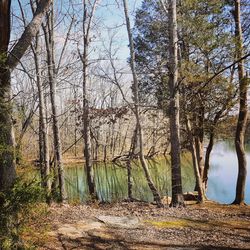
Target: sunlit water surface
point(223, 173)
point(111, 180)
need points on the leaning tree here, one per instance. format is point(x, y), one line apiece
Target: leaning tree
point(8, 61)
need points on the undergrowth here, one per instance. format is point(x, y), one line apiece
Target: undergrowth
point(21, 209)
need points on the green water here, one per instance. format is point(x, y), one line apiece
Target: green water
point(111, 180)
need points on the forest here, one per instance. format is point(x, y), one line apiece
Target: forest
point(124, 124)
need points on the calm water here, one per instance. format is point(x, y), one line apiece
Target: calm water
point(223, 174)
point(111, 180)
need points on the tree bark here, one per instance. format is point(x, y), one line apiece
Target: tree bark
point(207, 158)
point(199, 148)
point(177, 194)
point(199, 138)
point(128, 163)
point(242, 118)
point(7, 141)
point(129, 175)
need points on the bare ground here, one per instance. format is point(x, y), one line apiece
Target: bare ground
point(142, 226)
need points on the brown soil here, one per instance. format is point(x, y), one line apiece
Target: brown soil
point(207, 226)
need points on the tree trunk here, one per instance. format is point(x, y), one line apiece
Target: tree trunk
point(87, 145)
point(136, 111)
point(201, 193)
point(207, 158)
point(43, 135)
point(129, 175)
point(85, 118)
point(199, 137)
point(210, 146)
point(177, 194)
point(7, 142)
point(200, 156)
point(130, 157)
point(242, 118)
point(49, 39)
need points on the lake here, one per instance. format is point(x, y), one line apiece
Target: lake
point(111, 180)
point(223, 174)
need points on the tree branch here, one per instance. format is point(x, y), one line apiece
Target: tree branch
point(29, 33)
point(222, 70)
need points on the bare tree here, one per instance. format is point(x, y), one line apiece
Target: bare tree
point(43, 135)
point(8, 61)
point(52, 74)
point(87, 23)
point(44, 163)
point(136, 109)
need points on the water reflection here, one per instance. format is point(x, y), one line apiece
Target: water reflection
point(223, 175)
point(111, 180)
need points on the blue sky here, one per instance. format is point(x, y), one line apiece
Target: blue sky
point(113, 15)
point(109, 12)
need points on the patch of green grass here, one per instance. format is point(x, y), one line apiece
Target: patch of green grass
point(203, 224)
point(168, 224)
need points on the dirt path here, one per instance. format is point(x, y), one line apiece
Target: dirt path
point(143, 226)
